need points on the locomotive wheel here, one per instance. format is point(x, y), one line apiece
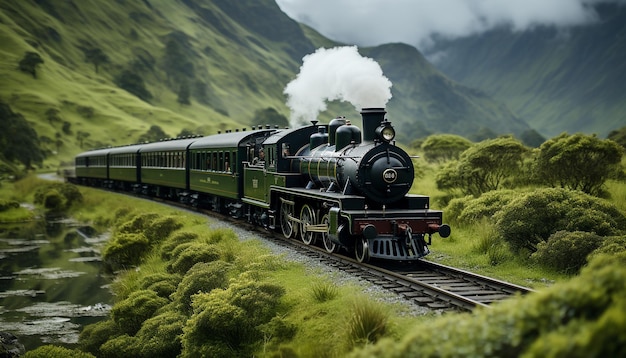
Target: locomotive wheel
point(307, 217)
point(361, 250)
point(330, 246)
point(286, 224)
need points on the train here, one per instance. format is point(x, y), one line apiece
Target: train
point(332, 184)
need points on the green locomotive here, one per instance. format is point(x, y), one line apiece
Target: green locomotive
point(328, 183)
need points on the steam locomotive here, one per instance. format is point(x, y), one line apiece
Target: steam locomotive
point(331, 184)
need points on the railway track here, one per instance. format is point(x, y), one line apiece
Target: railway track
point(423, 282)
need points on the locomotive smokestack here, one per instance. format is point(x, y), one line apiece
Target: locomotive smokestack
point(371, 120)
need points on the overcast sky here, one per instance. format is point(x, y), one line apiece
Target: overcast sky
point(373, 22)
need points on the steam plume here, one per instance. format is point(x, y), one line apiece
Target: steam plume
point(340, 73)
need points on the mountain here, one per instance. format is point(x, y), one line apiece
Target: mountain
point(557, 80)
point(97, 73)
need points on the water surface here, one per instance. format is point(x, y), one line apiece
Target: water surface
point(51, 281)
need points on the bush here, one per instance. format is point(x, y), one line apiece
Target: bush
point(530, 219)
point(130, 313)
point(610, 245)
point(566, 251)
point(95, 335)
point(160, 336)
point(583, 317)
point(55, 351)
point(138, 223)
point(473, 210)
point(8, 204)
point(121, 346)
point(187, 255)
point(161, 227)
point(57, 196)
point(228, 322)
point(202, 277)
point(164, 284)
point(177, 239)
point(125, 250)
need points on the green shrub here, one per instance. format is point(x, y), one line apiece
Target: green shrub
point(130, 313)
point(160, 336)
point(164, 284)
point(368, 323)
point(530, 219)
point(566, 251)
point(8, 204)
point(121, 346)
point(583, 317)
point(138, 223)
point(54, 201)
point(485, 206)
point(202, 277)
point(324, 291)
point(160, 228)
point(55, 351)
point(187, 255)
point(610, 245)
point(95, 335)
point(230, 321)
point(173, 241)
point(125, 250)
point(57, 196)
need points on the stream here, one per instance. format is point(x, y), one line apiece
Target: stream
point(51, 281)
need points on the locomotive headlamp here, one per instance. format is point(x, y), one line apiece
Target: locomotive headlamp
point(386, 132)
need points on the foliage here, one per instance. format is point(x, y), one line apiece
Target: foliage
point(485, 166)
point(444, 147)
point(532, 218)
point(618, 136)
point(134, 84)
point(368, 323)
point(270, 115)
point(584, 317)
point(468, 210)
point(228, 322)
point(187, 255)
point(57, 196)
point(173, 241)
point(96, 56)
point(93, 336)
point(48, 351)
point(160, 336)
point(578, 162)
point(184, 93)
point(611, 245)
point(29, 63)
point(202, 277)
point(153, 134)
point(161, 227)
point(566, 251)
point(18, 140)
point(324, 291)
point(8, 204)
point(125, 250)
point(130, 313)
point(121, 346)
point(163, 283)
point(136, 223)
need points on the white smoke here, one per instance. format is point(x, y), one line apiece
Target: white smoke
point(339, 73)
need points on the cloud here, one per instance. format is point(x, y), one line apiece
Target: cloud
point(339, 73)
point(415, 22)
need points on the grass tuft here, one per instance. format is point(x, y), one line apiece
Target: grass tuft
point(368, 323)
point(324, 291)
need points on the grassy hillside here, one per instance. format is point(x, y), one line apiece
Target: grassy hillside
point(556, 80)
point(112, 70)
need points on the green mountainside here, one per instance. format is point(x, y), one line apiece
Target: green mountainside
point(112, 70)
point(557, 80)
